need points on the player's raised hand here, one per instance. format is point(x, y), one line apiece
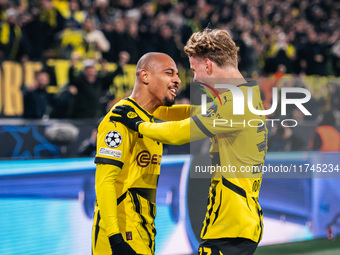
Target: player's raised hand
point(119, 246)
point(127, 116)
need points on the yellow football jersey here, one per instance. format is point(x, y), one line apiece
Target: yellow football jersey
point(139, 159)
point(239, 145)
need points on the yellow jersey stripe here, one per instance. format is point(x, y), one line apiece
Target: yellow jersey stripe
point(218, 209)
point(212, 202)
point(138, 209)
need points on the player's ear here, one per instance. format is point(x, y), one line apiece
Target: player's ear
point(208, 65)
point(143, 76)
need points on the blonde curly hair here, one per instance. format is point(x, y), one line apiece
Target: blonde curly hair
point(214, 44)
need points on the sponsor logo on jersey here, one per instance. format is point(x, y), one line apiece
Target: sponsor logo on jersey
point(113, 139)
point(110, 152)
point(144, 158)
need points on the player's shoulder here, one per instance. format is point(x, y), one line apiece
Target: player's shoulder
point(113, 134)
point(108, 125)
point(126, 101)
point(250, 84)
point(120, 102)
point(230, 94)
point(229, 98)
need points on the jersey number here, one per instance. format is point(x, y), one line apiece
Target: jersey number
point(256, 185)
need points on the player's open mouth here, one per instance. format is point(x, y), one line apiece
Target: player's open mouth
point(173, 92)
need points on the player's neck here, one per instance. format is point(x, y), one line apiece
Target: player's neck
point(230, 76)
point(145, 102)
point(227, 73)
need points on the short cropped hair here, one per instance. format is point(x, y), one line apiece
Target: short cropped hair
point(214, 44)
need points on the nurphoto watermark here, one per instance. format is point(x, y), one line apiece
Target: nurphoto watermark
point(238, 104)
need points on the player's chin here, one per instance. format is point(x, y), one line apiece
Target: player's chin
point(169, 101)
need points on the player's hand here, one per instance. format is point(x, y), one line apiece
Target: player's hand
point(127, 116)
point(119, 246)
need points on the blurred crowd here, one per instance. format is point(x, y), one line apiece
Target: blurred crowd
point(301, 35)
point(275, 38)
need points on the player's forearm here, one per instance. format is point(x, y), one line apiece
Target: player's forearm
point(173, 113)
point(106, 197)
point(172, 132)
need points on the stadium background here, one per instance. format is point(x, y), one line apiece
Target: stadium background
point(46, 190)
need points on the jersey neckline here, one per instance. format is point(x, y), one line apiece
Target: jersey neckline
point(248, 84)
point(140, 108)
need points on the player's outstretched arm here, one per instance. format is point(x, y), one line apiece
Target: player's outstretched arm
point(173, 113)
point(176, 112)
point(171, 132)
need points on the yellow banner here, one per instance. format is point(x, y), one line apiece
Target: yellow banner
point(14, 75)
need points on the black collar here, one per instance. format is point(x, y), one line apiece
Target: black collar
point(248, 84)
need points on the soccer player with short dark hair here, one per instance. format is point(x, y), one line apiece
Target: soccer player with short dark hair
point(233, 221)
point(128, 164)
